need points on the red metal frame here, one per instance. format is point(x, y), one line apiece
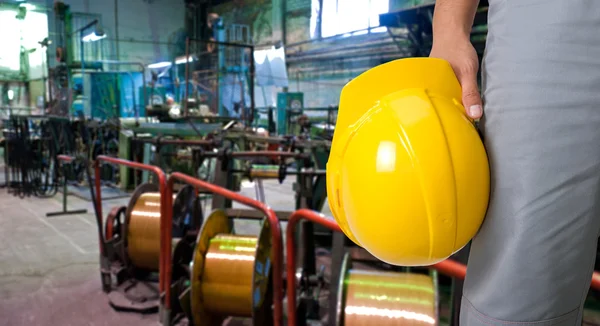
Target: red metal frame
point(164, 207)
point(271, 218)
point(290, 234)
point(595, 281)
point(66, 158)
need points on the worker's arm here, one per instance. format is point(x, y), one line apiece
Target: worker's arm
point(454, 17)
point(452, 23)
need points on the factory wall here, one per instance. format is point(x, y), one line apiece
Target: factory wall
point(137, 30)
point(257, 14)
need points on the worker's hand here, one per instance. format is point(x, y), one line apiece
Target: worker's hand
point(462, 56)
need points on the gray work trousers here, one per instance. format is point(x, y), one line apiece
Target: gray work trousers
point(532, 260)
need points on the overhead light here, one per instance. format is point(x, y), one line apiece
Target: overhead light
point(92, 37)
point(95, 35)
point(27, 6)
point(158, 65)
point(181, 60)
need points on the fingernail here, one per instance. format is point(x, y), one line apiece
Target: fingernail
point(475, 111)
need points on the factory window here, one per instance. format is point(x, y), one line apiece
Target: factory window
point(348, 17)
point(29, 30)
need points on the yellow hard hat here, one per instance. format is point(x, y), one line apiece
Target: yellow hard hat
point(407, 176)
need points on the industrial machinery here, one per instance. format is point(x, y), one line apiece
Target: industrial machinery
point(130, 245)
point(32, 144)
point(80, 82)
point(136, 228)
point(247, 260)
point(141, 273)
point(362, 290)
point(29, 156)
point(172, 154)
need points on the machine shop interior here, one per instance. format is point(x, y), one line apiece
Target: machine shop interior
point(152, 153)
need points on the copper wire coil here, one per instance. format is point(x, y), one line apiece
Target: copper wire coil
point(386, 298)
point(143, 227)
point(230, 274)
point(143, 231)
point(264, 174)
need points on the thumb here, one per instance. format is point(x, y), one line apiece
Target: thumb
point(470, 96)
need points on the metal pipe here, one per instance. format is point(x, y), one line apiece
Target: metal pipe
point(81, 29)
point(82, 69)
point(394, 54)
point(252, 73)
point(164, 206)
point(595, 281)
point(267, 153)
point(379, 42)
point(458, 270)
point(250, 154)
point(451, 268)
point(239, 45)
point(301, 214)
point(65, 158)
point(329, 38)
point(117, 29)
point(181, 142)
point(277, 241)
point(187, 76)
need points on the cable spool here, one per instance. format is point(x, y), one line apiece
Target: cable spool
point(143, 222)
point(384, 298)
point(230, 274)
point(143, 227)
point(264, 172)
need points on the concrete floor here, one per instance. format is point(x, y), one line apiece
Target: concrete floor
point(49, 266)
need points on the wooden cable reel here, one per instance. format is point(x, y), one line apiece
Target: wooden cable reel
point(384, 298)
point(231, 274)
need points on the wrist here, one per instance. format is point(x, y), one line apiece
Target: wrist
point(454, 32)
point(451, 38)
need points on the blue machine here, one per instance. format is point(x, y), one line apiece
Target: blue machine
point(115, 95)
point(108, 94)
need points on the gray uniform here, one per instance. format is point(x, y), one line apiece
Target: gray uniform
point(532, 260)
